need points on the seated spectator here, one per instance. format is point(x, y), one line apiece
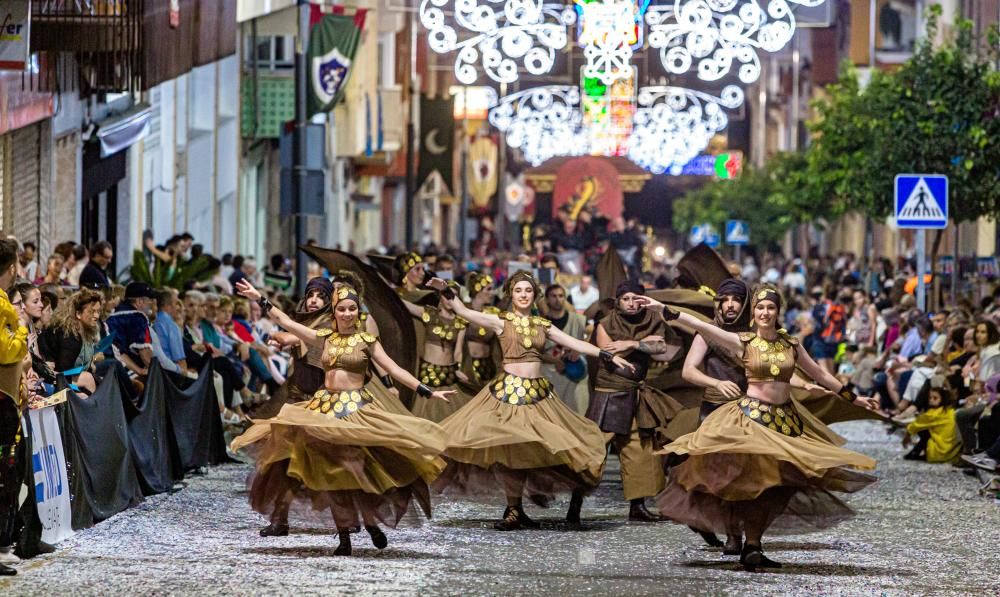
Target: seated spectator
point(171, 339)
point(80, 259)
point(53, 271)
point(72, 337)
point(584, 294)
point(130, 325)
point(987, 337)
point(94, 274)
point(935, 427)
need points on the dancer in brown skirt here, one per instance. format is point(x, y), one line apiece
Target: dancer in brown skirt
point(516, 433)
point(755, 464)
point(440, 359)
point(478, 359)
point(344, 450)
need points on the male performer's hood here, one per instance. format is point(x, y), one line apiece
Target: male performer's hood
point(733, 287)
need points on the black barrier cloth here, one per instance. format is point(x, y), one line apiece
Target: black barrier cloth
point(105, 464)
point(194, 417)
point(154, 451)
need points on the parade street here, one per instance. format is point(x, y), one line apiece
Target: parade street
point(920, 530)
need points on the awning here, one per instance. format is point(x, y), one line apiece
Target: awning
point(121, 131)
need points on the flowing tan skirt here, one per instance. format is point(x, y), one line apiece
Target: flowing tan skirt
point(733, 467)
point(366, 467)
point(539, 448)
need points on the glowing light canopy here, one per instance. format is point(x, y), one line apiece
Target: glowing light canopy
point(673, 125)
point(660, 128)
point(503, 32)
point(719, 33)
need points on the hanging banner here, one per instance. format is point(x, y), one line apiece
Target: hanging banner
point(482, 173)
point(48, 462)
point(333, 41)
point(437, 139)
point(15, 16)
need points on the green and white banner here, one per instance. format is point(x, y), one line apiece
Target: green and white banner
point(333, 42)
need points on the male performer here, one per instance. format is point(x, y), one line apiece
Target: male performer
point(623, 405)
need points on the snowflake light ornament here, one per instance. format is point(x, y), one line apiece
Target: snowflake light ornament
point(719, 33)
point(503, 33)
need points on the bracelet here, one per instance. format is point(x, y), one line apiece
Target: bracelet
point(265, 305)
point(669, 314)
point(387, 381)
point(448, 293)
point(847, 394)
point(424, 391)
point(606, 356)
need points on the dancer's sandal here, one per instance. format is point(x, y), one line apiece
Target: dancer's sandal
point(510, 522)
point(275, 529)
point(752, 557)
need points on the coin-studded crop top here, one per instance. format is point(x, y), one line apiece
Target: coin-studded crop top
point(766, 360)
point(439, 330)
point(476, 333)
point(523, 337)
point(348, 352)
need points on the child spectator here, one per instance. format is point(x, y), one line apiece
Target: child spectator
point(939, 441)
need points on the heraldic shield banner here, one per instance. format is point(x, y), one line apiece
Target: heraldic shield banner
point(333, 42)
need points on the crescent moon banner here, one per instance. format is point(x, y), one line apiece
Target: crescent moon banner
point(437, 139)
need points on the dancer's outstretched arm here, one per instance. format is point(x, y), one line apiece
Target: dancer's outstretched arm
point(727, 340)
point(483, 320)
point(303, 332)
point(403, 376)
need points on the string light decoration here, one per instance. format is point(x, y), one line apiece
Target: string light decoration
point(503, 32)
point(542, 122)
point(607, 34)
point(661, 128)
point(719, 33)
point(673, 125)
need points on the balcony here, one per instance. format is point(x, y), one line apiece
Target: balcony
point(112, 26)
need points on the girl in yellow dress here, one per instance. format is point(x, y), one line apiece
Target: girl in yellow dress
point(755, 462)
point(344, 450)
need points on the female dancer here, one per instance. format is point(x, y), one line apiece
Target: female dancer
point(516, 432)
point(753, 462)
point(478, 365)
point(344, 450)
point(442, 353)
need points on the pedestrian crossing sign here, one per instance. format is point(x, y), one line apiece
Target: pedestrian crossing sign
point(737, 232)
point(921, 201)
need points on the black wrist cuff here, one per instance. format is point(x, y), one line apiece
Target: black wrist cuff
point(265, 305)
point(448, 293)
point(606, 356)
point(670, 315)
point(387, 381)
point(847, 394)
point(424, 391)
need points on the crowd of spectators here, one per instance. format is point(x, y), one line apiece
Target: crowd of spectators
point(84, 326)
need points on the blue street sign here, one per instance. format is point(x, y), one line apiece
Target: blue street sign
point(704, 234)
point(737, 232)
point(697, 235)
point(921, 201)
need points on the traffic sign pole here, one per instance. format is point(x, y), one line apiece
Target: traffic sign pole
point(921, 268)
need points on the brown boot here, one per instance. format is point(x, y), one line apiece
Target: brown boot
point(637, 512)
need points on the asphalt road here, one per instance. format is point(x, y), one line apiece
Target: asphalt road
point(922, 529)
